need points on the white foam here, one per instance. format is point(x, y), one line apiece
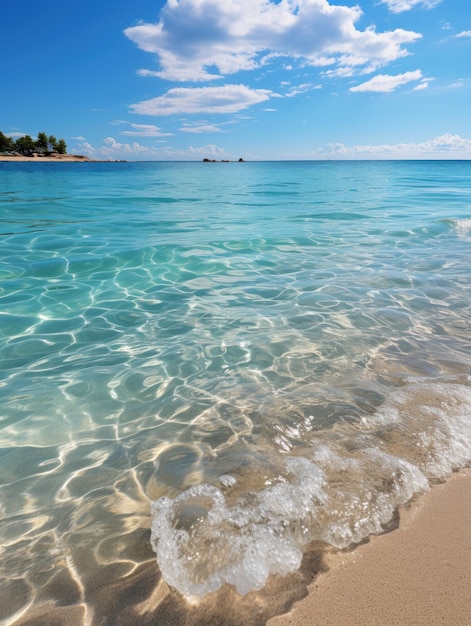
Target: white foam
point(242, 544)
point(349, 488)
point(368, 486)
point(462, 226)
point(433, 425)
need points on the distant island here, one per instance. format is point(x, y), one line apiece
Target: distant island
point(206, 160)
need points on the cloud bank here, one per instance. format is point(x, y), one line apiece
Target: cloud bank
point(111, 149)
point(442, 147)
point(446, 146)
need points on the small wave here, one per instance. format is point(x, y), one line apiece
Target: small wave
point(461, 226)
point(349, 488)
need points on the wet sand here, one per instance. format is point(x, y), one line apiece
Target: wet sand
point(418, 574)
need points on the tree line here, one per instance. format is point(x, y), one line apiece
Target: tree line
point(26, 145)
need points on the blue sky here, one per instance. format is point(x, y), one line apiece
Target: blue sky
point(258, 79)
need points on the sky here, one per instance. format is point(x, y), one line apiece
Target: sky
point(230, 79)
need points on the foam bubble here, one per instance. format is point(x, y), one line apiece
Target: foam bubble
point(227, 480)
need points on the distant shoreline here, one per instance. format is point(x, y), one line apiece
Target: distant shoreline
point(60, 158)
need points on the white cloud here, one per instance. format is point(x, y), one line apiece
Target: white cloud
point(299, 89)
point(151, 73)
point(385, 83)
point(444, 146)
point(456, 85)
point(398, 6)
point(144, 130)
point(209, 150)
point(224, 99)
point(424, 83)
point(201, 128)
point(201, 40)
point(464, 33)
point(339, 72)
point(191, 153)
point(140, 130)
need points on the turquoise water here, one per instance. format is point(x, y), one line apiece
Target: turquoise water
point(222, 361)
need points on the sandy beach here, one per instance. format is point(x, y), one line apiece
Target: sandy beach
point(60, 158)
point(418, 574)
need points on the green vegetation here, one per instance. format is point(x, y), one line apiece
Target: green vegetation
point(26, 145)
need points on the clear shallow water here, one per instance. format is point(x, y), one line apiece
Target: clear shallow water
point(271, 353)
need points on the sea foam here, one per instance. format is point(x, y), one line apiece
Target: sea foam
point(461, 226)
point(348, 488)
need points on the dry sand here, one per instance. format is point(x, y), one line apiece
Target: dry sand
point(417, 574)
point(61, 158)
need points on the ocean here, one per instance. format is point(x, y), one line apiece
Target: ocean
point(207, 368)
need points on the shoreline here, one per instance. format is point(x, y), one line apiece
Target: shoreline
point(420, 573)
point(62, 158)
